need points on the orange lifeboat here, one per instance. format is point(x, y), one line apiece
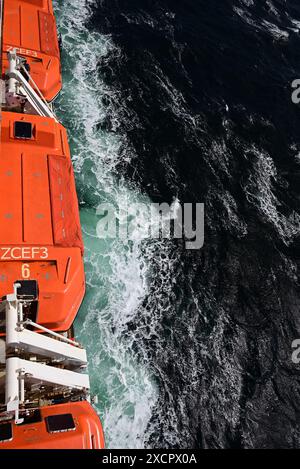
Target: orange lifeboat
point(44, 393)
point(29, 27)
point(40, 234)
point(65, 426)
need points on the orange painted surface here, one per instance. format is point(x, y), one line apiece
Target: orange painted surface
point(88, 433)
point(40, 234)
point(29, 26)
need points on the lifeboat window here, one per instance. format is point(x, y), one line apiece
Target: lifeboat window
point(23, 130)
point(60, 423)
point(5, 432)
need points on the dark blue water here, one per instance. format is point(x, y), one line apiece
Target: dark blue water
point(202, 91)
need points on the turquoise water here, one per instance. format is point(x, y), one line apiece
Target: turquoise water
point(116, 271)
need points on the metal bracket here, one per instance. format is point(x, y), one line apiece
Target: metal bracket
point(20, 90)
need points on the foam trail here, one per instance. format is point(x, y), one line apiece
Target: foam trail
point(116, 270)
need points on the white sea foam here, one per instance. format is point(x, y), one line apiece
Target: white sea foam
point(245, 10)
point(260, 192)
point(116, 270)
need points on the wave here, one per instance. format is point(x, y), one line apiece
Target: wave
point(117, 271)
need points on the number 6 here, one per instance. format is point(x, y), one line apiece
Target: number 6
point(25, 271)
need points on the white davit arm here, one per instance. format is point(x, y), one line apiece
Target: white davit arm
point(19, 89)
point(26, 352)
point(55, 347)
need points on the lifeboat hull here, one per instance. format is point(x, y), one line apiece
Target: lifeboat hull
point(29, 27)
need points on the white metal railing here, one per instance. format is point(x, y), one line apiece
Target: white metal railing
point(62, 338)
point(18, 337)
point(22, 343)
